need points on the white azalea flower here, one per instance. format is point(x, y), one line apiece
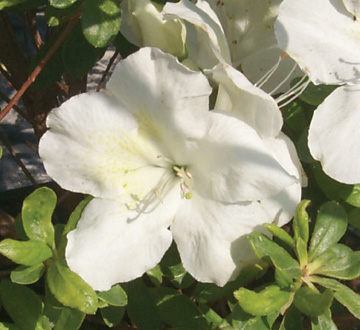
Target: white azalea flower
point(323, 37)
point(240, 33)
point(142, 24)
point(162, 167)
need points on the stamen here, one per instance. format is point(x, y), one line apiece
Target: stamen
point(284, 80)
point(186, 181)
point(268, 74)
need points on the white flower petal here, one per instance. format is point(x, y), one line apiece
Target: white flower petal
point(211, 240)
point(112, 245)
point(322, 37)
point(210, 46)
point(281, 207)
point(143, 25)
point(92, 146)
point(233, 164)
point(334, 135)
point(163, 92)
point(353, 7)
point(245, 101)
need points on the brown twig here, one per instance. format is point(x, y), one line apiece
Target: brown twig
point(102, 80)
point(40, 66)
point(17, 160)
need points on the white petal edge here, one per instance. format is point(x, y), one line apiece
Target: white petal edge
point(156, 86)
point(322, 37)
point(245, 101)
point(210, 34)
point(211, 237)
point(92, 142)
point(334, 135)
point(234, 164)
point(112, 245)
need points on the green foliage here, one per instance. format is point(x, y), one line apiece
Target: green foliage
point(61, 3)
point(100, 21)
point(36, 215)
point(116, 296)
point(27, 275)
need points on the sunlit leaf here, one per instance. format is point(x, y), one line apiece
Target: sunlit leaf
point(330, 226)
point(61, 3)
point(116, 296)
point(36, 215)
point(27, 253)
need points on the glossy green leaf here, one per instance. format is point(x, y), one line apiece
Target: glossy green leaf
point(116, 296)
point(338, 261)
point(312, 303)
point(70, 289)
point(61, 3)
point(301, 252)
point(343, 294)
point(36, 215)
point(265, 248)
point(27, 253)
point(69, 319)
point(323, 322)
point(27, 275)
point(301, 222)
point(294, 116)
point(78, 55)
point(262, 303)
point(281, 234)
point(330, 226)
point(112, 315)
point(302, 147)
point(282, 278)
point(22, 304)
point(155, 275)
point(141, 307)
point(169, 302)
point(100, 21)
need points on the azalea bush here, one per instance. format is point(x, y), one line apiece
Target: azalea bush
point(210, 182)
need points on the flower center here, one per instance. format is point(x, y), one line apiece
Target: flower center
point(185, 182)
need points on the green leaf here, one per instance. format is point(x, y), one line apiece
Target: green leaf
point(312, 303)
point(173, 269)
point(9, 3)
point(61, 3)
point(281, 234)
point(70, 289)
point(116, 296)
point(26, 253)
point(314, 94)
point(330, 226)
point(292, 320)
point(169, 302)
point(264, 248)
point(323, 322)
point(69, 319)
point(8, 326)
point(282, 278)
point(294, 116)
point(112, 315)
point(141, 307)
point(78, 55)
point(262, 303)
point(241, 320)
point(76, 214)
point(338, 261)
point(100, 21)
point(301, 252)
point(301, 222)
point(343, 294)
point(155, 275)
point(213, 319)
point(36, 215)
point(22, 304)
point(27, 275)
